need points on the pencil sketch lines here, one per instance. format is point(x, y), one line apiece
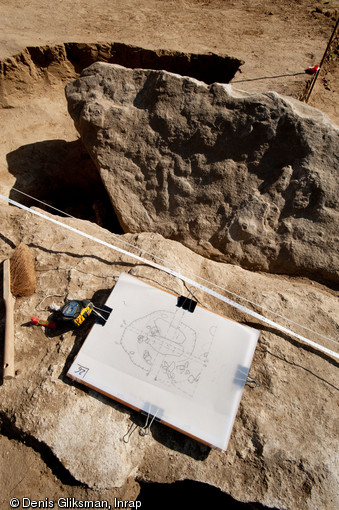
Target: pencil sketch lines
point(166, 349)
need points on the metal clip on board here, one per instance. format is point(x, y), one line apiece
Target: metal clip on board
point(146, 429)
point(186, 303)
point(252, 382)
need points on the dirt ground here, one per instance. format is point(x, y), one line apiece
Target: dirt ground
point(276, 40)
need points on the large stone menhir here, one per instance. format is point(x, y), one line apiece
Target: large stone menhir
point(244, 178)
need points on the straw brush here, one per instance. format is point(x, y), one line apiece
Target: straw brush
point(19, 280)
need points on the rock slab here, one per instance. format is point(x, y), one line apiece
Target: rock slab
point(284, 444)
point(249, 179)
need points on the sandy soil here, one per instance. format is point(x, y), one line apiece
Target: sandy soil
point(276, 40)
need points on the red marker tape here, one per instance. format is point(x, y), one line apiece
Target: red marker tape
point(312, 69)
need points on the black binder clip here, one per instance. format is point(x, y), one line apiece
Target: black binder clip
point(187, 304)
point(102, 314)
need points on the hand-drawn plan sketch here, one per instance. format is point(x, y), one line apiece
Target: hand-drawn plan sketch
point(166, 349)
point(189, 368)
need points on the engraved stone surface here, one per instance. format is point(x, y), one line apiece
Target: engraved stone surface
point(249, 179)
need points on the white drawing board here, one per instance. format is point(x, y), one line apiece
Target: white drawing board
point(187, 369)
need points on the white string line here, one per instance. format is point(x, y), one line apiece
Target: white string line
point(165, 261)
point(177, 275)
point(41, 202)
point(189, 272)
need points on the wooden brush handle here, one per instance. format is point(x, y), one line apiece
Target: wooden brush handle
point(8, 367)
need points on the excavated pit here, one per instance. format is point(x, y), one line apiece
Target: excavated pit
point(45, 171)
point(208, 67)
point(60, 172)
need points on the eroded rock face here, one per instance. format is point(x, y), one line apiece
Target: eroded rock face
point(283, 448)
point(240, 178)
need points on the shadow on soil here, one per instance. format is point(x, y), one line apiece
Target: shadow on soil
point(189, 494)
point(62, 175)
